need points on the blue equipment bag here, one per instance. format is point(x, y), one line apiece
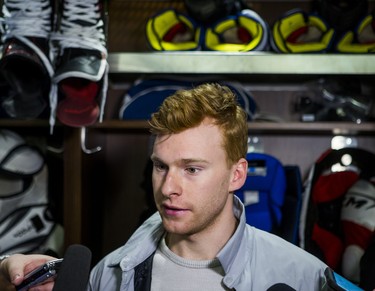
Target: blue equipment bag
point(146, 95)
point(264, 191)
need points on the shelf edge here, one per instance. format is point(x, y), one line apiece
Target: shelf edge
point(240, 63)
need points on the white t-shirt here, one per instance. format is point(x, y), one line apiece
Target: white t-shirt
point(171, 272)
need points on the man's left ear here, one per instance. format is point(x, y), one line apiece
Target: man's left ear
point(239, 175)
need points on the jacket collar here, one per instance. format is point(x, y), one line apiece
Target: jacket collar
point(234, 256)
point(141, 244)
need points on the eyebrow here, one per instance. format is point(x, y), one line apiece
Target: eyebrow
point(155, 159)
point(189, 161)
point(182, 161)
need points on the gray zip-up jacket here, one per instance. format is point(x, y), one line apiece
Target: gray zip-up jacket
point(252, 260)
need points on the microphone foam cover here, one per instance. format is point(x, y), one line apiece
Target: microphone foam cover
point(75, 269)
point(280, 287)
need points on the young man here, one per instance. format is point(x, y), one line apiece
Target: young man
point(198, 239)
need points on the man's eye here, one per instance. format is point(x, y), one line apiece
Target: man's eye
point(159, 166)
point(192, 170)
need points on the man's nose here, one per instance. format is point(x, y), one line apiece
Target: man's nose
point(171, 184)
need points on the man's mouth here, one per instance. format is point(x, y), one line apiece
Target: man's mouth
point(173, 211)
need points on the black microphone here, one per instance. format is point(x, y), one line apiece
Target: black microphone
point(75, 269)
point(280, 287)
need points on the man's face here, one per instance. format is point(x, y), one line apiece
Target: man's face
point(191, 180)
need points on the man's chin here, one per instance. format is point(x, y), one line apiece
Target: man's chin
point(174, 227)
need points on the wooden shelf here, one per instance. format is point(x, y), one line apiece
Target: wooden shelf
point(312, 128)
point(200, 62)
point(33, 123)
